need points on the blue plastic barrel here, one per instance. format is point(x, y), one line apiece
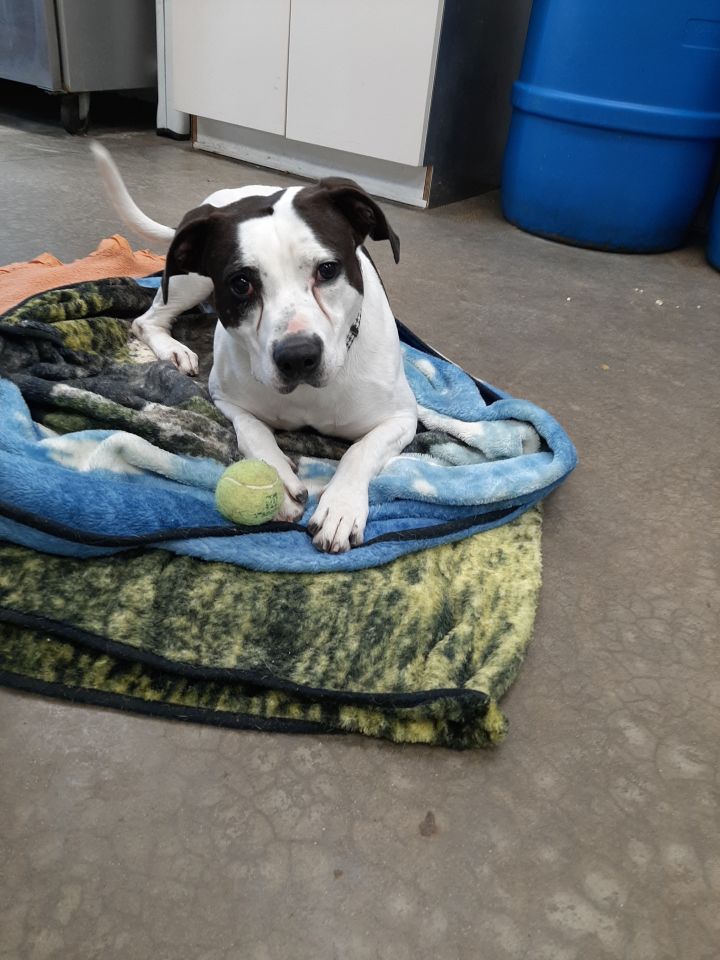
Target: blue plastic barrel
point(615, 120)
point(713, 250)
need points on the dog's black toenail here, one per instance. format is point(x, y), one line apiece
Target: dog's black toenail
point(301, 497)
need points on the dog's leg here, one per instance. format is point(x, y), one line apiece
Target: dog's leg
point(153, 327)
point(341, 515)
point(257, 441)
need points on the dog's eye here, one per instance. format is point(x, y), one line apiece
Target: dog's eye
point(329, 270)
point(241, 286)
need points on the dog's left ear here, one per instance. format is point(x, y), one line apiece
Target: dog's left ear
point(187, 249)
point(365, 216)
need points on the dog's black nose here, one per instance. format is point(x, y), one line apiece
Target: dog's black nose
point(298, 357)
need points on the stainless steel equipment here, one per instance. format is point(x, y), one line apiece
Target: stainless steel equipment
point(75, 47)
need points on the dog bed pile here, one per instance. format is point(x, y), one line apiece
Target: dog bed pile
point(104, 458)
point(417, 651)
point(141, 449)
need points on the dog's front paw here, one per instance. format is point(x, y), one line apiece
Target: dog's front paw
point(339, 520)
point(183, 358)
point(293, 505)
point(291, 509)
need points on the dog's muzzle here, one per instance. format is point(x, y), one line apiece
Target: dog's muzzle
point(298, 358)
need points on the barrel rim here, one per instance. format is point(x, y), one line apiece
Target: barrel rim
point(637, 118)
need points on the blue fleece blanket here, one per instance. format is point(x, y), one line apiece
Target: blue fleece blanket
point(96, 492)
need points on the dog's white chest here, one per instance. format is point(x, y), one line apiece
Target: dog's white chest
point(359, 398)
point(324, 410)
point(337, 410)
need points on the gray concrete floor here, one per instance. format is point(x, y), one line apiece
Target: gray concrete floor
point(593, 831)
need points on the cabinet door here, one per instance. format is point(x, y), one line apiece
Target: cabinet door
point(360, 75)
point(230, 60)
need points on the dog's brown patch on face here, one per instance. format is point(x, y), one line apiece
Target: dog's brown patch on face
point(206, 242)
point(364, 216)
point(332, 229)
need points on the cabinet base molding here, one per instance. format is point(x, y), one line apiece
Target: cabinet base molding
point(391, 181)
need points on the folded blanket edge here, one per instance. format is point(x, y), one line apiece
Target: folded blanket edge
point(380, 700)
point(487, 731)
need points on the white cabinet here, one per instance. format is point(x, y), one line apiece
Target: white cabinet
point(229, 60)
point(411, 98)
point(360, 75)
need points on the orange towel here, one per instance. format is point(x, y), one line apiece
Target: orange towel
point(114, 257)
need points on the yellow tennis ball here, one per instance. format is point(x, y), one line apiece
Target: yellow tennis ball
point(249, 492)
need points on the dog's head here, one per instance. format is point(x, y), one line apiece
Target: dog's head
point(286, 272)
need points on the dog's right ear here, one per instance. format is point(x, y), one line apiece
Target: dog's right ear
point(187, 250)
point(364, 215)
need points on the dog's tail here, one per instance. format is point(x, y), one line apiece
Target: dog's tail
point(123, 204)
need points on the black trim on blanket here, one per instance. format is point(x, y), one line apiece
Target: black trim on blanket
point(122, 651)
point(140, 540)
point(438, 530)
point(64, 532)
point(167, 711)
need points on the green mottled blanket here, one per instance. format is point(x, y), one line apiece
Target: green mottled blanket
point(420, 650)
point(71, 353)
point(417, 651)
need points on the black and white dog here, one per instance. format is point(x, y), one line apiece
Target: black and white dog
point(305, 337)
